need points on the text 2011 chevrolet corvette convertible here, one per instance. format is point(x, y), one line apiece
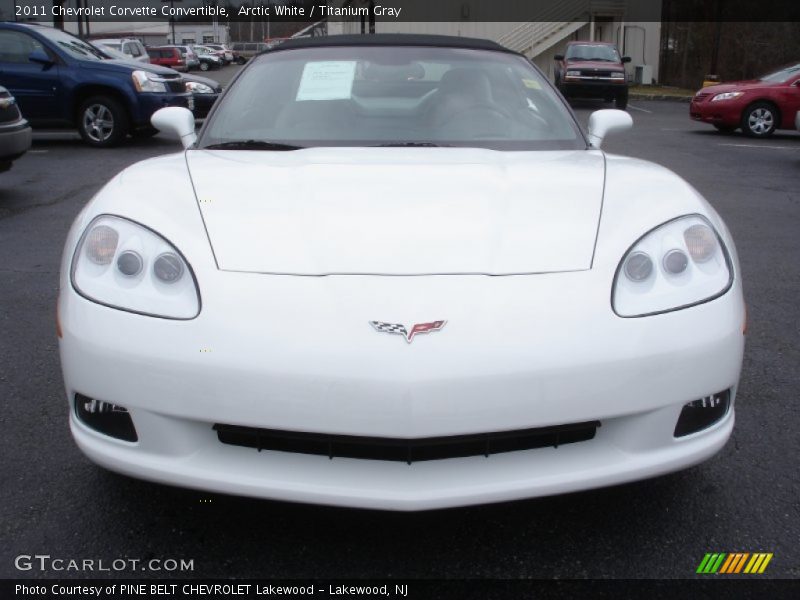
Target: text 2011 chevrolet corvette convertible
point(394, 272)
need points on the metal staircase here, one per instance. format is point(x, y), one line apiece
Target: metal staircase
point(534, 37)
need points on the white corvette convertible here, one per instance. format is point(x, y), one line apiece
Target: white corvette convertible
point(394, 272)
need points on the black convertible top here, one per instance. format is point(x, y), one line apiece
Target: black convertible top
point(389, 39)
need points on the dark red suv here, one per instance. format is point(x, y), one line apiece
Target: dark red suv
point(593, 70)
point(167, 56)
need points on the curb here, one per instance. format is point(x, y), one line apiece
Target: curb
point(660, 97)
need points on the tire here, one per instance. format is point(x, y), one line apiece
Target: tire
point(241, 60)
point(760, 119)
point(102, 121)
point(621, 101)
point(204, 66)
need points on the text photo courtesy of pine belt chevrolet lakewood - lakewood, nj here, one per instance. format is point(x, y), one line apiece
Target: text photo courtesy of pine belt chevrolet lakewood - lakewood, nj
point(376, 289)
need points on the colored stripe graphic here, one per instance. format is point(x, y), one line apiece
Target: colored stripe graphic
point(711, 562)
point(723, 563)
point(734, 563)
point(704, 563)
point(728, 563)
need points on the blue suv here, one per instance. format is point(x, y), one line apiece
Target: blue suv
point(60, 81)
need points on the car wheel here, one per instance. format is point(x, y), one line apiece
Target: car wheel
point(102, 121)
point(621, 101)
point(240, 60)
point(759, 119)
point(204, 66)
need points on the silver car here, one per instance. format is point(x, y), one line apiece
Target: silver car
point(130, 47)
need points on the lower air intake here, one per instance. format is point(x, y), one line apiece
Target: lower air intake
point(405, 450)
point(702, 413)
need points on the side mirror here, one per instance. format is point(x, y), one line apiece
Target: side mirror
point(558, 57)
point(39, 56)
point(177, 121)
point(603, 122)
point(626, 59)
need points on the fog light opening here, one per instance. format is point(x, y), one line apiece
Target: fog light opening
point(106, 418)
point(702, 413)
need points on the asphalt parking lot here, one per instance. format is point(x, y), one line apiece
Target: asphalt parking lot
point(747, 498)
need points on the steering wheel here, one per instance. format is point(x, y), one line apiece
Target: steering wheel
point(478, 113)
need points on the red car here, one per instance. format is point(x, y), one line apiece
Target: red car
point(758, 107)
point(167, 56)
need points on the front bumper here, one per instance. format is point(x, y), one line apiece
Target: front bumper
point(298, 354)
point(203, 104)
point(15, 139)
point(723, 113)
point(148, 103)
point(588, 88)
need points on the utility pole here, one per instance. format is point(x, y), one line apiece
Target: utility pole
point(58, 19)
point(717, 37)
point(172, 17)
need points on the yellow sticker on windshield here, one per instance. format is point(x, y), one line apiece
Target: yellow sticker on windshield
point(532, 84)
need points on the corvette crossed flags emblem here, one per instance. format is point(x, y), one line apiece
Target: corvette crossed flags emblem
point(406, 333)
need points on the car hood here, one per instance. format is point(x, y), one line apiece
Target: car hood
point(399, 211)
point(595, 64)
point(732, 86)
point(127, 66)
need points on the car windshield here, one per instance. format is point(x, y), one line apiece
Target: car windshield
point(389, 95)
point(783, 75)
point(601, 52)
point(73, 46)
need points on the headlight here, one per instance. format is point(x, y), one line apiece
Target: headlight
point(573, 73)
point(144, 81)
point(678, 264)
point(618, 76)
point(198, 88)
point(121, 264)
point(726, 96)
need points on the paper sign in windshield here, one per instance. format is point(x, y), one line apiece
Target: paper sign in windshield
point(329, 80)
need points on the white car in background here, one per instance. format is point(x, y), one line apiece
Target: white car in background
point(132, 48)
point(223, 52)
point(394, 272)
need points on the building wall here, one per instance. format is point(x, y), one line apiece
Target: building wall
point(199, 33)
point(642, 39)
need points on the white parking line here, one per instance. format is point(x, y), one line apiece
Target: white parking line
point(760, 146)
point(644, 110)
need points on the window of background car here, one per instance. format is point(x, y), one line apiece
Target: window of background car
point(592, 52)
point(132, 49)
point(783, 75)
point(374, 95)
point(16, 47)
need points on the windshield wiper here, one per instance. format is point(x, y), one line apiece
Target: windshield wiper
point(251, 145)
point(410, 145)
